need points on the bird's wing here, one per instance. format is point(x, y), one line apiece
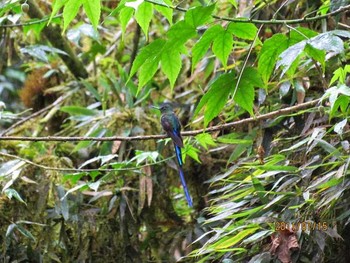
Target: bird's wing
point(173, 131)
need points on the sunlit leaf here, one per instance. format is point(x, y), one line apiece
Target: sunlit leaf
point(222, 45)
point(171, 65)
point(269, 53)
point(199, 15)
point(77, 110)
point(143, 16)
point(243, 30)
point(215, 98)
point(202, 45)
point(70, 10)
point(93, 11)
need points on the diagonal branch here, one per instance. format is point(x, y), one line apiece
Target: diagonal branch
point(220, 127)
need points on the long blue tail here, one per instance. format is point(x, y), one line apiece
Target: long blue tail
point(182, 177)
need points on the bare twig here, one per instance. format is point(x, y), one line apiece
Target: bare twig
point(304, 19)
point(246, 121)
point(30, 22)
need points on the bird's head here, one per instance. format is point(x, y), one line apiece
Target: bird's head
point(164, 108)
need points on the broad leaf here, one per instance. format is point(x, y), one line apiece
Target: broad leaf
point(56, 5)
point(143, 16)
point(171, 65)
point(269, 53)
point(205, 139)
point(165, 11)
point(215, 99)
point(70, 11)
point(199, 15)
point(147, 71)
point(93, 11)
point(243, 30)
point(180, 32)
point(202, 45)
point(244, 96)
point(222, 45)
point(125, 16)
point(149, 52)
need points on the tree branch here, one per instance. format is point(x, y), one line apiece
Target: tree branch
point(305, 19)
point(242, 122)
point(44, 19)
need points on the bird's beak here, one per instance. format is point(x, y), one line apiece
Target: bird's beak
point(154, 107)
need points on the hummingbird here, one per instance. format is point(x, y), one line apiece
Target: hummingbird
point(172, 127)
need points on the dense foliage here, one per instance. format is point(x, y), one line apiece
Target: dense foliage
point(261, 87)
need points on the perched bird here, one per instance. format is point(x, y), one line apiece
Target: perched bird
point(172, 127)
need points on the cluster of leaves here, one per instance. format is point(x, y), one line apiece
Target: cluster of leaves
point(236, 70)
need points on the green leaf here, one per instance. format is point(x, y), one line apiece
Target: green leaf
point(36, 28)
point(77, 110)
point(166, 11)
point(202, 45)
point(180, 32)
point(301, 33)
point(91, 89)
point(205, 139)
point(125, 16)
point(251, 77)
point(243, 30)
point(143, 16)
point(199, 15)
point(341, 102)
point(190, 151)
point(244, 96)
point(149, 52)
point(93, 11)
point(171, 65)
point(216, 97)
point(147, 71)
point(340, 75)
point(222, 45)
point(269, 53)
point(231, 241)
point(56, 5)
point(70, 11)
point(118, 9)
point(9, 192)
point(317, 55)
point(25, 232)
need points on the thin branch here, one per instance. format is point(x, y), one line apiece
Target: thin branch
point(30, 22)
point(75, 170)
point(246, 61)
point(305, 19)
point(242, 122)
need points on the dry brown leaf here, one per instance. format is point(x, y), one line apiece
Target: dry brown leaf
point(149, 183)
point(142, 193)
point(283, 244)
point(116, 146)
point(149, 187)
